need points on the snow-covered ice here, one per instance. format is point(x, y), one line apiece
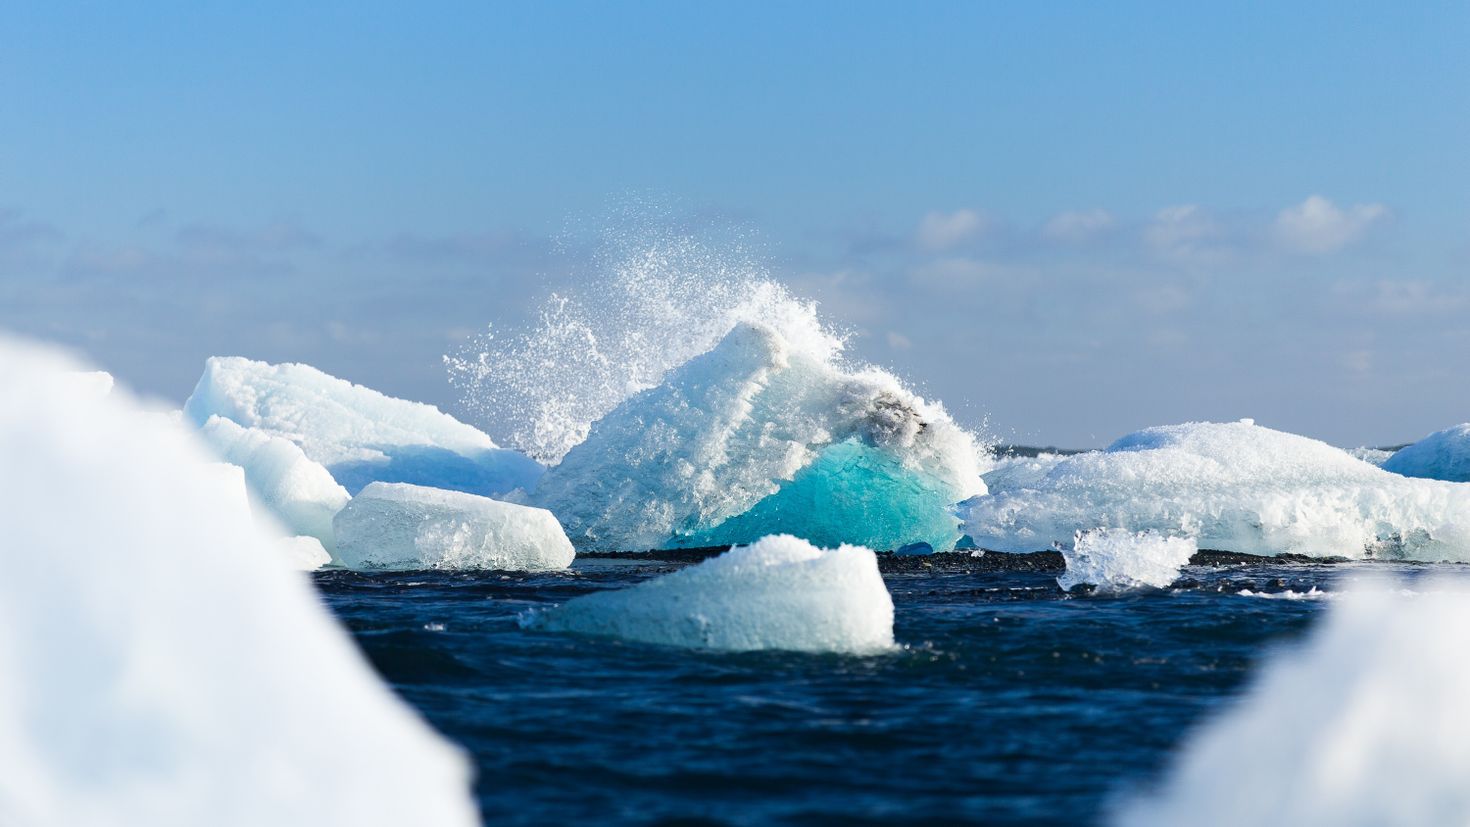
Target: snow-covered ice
point(1364, 724)
point(762, 435)
point(401, 526)
point(359, 434)
point(779, 593)
point(158, 664)
point(299, 492)
point(1443, 455)
point(1235, 487)
point(1114, 560)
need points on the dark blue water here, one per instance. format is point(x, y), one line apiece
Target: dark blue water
point(1011, 704)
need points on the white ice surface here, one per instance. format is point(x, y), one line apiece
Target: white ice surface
point(159, 665)
point(1362, 726)
point(1372, 456)
point(763, 435)
point(1234, 487)
point(779, 593)
point(1114, 560)
point(303, 553)
point(359, 434)
point(299, 492)
point(1443, 455)
point(400, 526)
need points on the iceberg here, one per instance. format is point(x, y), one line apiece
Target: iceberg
point(1372, 456)
point(303, 553)
point(1362, 726)
point(158, 663)
point(299, 492)
point(1234, 487)
point(1116, 561)
point(360, 435)
point(761, 436)
point(406, 527)
point(778, 593)
point(1443, 455)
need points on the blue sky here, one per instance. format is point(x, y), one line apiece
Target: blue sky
point(1073, 219)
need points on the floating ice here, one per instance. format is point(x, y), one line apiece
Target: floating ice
point(400, 526)
point(1363, 725)
point(299, 492)
point(759, 436)
point(1443, 455)
point(158, 664)
point(360, 435)
point(1372, 456)
point(1235, 487)
point(303, 553)
point(1114, 560)
point(780, 593)
point(1009, 473)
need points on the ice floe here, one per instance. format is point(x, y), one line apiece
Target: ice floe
point(1235, 487)
point(778, 593)
point(158, 664)
point(299, 492)
point(1364, 724)
point(401, 526)
point(1115, 560)
point(359, 434)
point(761, 436)
point(1443, 455)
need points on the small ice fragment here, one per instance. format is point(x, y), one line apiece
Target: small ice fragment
point(1114, 560)
point(401, 526)
point(779, 593)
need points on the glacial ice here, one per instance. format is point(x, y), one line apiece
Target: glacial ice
point(1372, 456)
point(359, 434)
point(1114, 560)
point(158, 664)
point(1443, 455)
point(1364, 725)
point(779, 593)
point(759, 436)
point(299, 492)
point(402, 526)
point(303, 553)
point(1235, 487)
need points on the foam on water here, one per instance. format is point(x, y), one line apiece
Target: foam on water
point(778, 593)
point(1363, 725)
point(1114, 560)
point(1443, 455)
point(1233, 487)
point(159, 663)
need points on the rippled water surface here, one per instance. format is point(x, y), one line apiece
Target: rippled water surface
point(1011, 702)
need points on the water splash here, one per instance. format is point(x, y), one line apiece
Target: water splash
point(657, 297)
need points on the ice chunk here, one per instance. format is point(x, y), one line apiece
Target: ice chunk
point(1363, 725)
point(95, 382)
point(299, 492)
point(303, 553)
point(360, 435)
point(1116, 561)
point(158, 664)
point(1372, 456)
point(1443, 455)
point(756, 437)
point(779, 593)
point(1235, 487)
point(401, 526)
point(1009, 473)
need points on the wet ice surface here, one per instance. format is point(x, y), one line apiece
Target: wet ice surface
point(1011, 703)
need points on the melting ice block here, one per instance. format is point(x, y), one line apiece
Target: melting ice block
point(1235, 487)
point(779, 593)
point(299, 492)
point(757, 437)
point(1116, 561)
point(1443, 455)
point(158, 664)
point(400, 526)
point(1362, 726)
point(360, 435)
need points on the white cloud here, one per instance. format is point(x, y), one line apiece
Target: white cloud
point(951, 273)
point(942, 231)
point(1074, 226)
point(898, 341)
point(1319, 226)
point(1186, 231)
